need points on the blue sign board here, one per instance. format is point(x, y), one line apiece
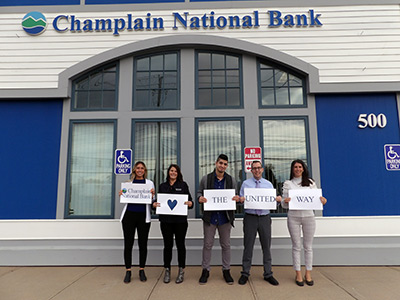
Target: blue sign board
point(123, 161)
point(392, 157)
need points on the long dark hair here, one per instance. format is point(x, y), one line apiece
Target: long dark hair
point(306, 180)
point(179, 178)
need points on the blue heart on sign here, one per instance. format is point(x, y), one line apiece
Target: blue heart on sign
point(172, 204)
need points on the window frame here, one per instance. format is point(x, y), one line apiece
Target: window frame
point(178, 79)
point(68, 177)
point(305, 118)
point(279, 67)
point(198, 214)
point(88, 74)
point(197, 88)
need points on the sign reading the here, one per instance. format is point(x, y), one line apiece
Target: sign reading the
point(305, 199)
point(219, 200)
point(251, 154)
point(135, 193)
point(259, 198)
point(392, 157)
point(123, 161)
point(172, 204)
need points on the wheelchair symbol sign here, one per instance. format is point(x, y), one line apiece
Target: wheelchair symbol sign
point(123, 161)
point(392, 157)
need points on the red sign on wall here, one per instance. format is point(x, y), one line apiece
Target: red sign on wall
point(251, 154)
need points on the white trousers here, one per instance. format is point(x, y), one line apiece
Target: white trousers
point(296, 225)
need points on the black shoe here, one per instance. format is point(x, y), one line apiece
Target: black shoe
point(309, 283)
point(204, 276)
point(142, 276)
point(271, 280)
point(127, 278)
point(299, 283)
point(243, 280)
point(227, 276)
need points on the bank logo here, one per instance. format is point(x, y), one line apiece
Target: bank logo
point(34, 23)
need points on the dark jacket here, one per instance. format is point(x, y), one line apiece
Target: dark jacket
point(207, 182)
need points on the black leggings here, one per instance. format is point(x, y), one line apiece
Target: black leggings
point(131, 222)
point(168, 231)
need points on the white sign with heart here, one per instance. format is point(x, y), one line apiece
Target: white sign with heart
point(172, 204)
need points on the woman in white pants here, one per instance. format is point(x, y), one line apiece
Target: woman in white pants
point(300, 220)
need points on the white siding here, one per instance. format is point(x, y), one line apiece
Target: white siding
point(355, 44)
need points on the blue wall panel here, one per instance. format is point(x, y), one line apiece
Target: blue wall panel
point(352, 163)
point(29, 158)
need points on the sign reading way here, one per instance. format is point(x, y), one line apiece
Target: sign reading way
point(305, 199)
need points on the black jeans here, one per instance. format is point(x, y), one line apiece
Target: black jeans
point(168, 231)
point(131, 222)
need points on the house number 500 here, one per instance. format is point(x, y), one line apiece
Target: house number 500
point(372, 120)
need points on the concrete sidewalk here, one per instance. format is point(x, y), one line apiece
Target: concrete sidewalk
point(75, 283)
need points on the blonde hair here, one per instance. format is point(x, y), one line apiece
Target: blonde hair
point(133, 174)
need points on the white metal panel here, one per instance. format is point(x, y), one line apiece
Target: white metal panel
point(369, 36)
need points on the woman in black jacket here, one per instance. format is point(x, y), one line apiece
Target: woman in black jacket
point(173, 224)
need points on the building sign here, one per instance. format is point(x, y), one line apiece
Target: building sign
point(392, 157)
point(185, 20)
point(251, 154)
point(123, 161)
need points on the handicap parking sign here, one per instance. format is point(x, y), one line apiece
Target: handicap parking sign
point(392, 157)
point(123, 161)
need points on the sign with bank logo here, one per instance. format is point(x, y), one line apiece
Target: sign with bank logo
point(392, 157)
point(123, 162)
point(305, 199)
point(172, 204)
point(135, 193)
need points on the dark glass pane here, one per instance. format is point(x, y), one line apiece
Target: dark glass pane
point(157, 62)
point(170, 80)
point(264, 66)
point(109, 81)
point(233, 97)
point(95, 99)
point(267, 78)
point(218, 97)
point(281, 78)
point(83, 84)
point(282, 96)
point(204, 97)
point(170, 99)
point(267, 96)
point(204, 61)
point(296, 96)
point(295, 81)
point(142, 99)
point(171, 61)
point(143, 64)
point(218, 61)
point(109, 99)
point(156, 80)
point(142, 80)
point(218, 79)
point(204, 79)
point(81, 99)
point(96, 81)
point(157, 97)
point(232, 78)
point(232, 62)
point(111, 69)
